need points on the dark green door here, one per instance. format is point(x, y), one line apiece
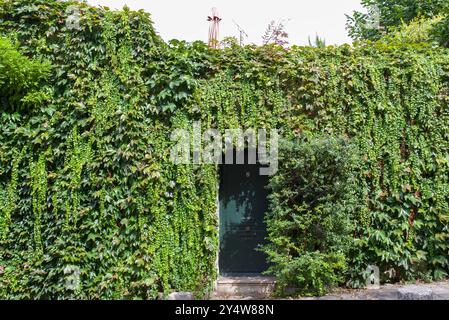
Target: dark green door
point(243, 203)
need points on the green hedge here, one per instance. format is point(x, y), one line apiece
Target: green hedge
point(86, 175)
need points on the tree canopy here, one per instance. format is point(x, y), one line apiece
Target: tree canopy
point(385, 16)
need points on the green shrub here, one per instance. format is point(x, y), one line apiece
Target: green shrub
point(20, 77)
point(441, 30)
point(311, 219)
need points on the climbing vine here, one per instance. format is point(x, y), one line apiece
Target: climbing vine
point(10, 197)
point(39, 188)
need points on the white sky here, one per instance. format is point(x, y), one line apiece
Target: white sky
point(187, 19)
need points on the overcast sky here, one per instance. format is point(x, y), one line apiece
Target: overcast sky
point(187, 20)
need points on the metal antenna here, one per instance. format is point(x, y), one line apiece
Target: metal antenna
point(241, 31)
point(214, 29)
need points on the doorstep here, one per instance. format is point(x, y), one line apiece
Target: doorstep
point(253, 287)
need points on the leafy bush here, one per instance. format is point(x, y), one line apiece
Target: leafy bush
point(418, 31)
point(441, 30)
point(311, 220)
point(20, 77)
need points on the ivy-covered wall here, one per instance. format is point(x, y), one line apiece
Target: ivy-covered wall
point(86, 174)
point(365, 157)
point(87, 185)
point(391, 103)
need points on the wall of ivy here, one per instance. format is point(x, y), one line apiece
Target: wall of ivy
point(86, 175)
point(86, 182)
point(390, 102)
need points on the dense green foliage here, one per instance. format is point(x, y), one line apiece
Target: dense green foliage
point(418, 32)
point(87, 183)
point(392, 103)
point(441, 31)
point(392, 14)
point(94, 189)
point(424, 21)
point(20, 77)
point(312, 215)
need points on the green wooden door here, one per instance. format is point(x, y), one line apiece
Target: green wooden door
point(243, 203)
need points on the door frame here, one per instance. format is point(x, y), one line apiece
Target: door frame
point(217, 262)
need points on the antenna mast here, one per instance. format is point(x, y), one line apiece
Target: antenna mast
point(242, 33)
point(214, 29)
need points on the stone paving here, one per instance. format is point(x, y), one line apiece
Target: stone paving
point(417, 291)
point(420, 291)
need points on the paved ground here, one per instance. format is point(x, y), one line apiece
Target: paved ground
point(417, 291)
